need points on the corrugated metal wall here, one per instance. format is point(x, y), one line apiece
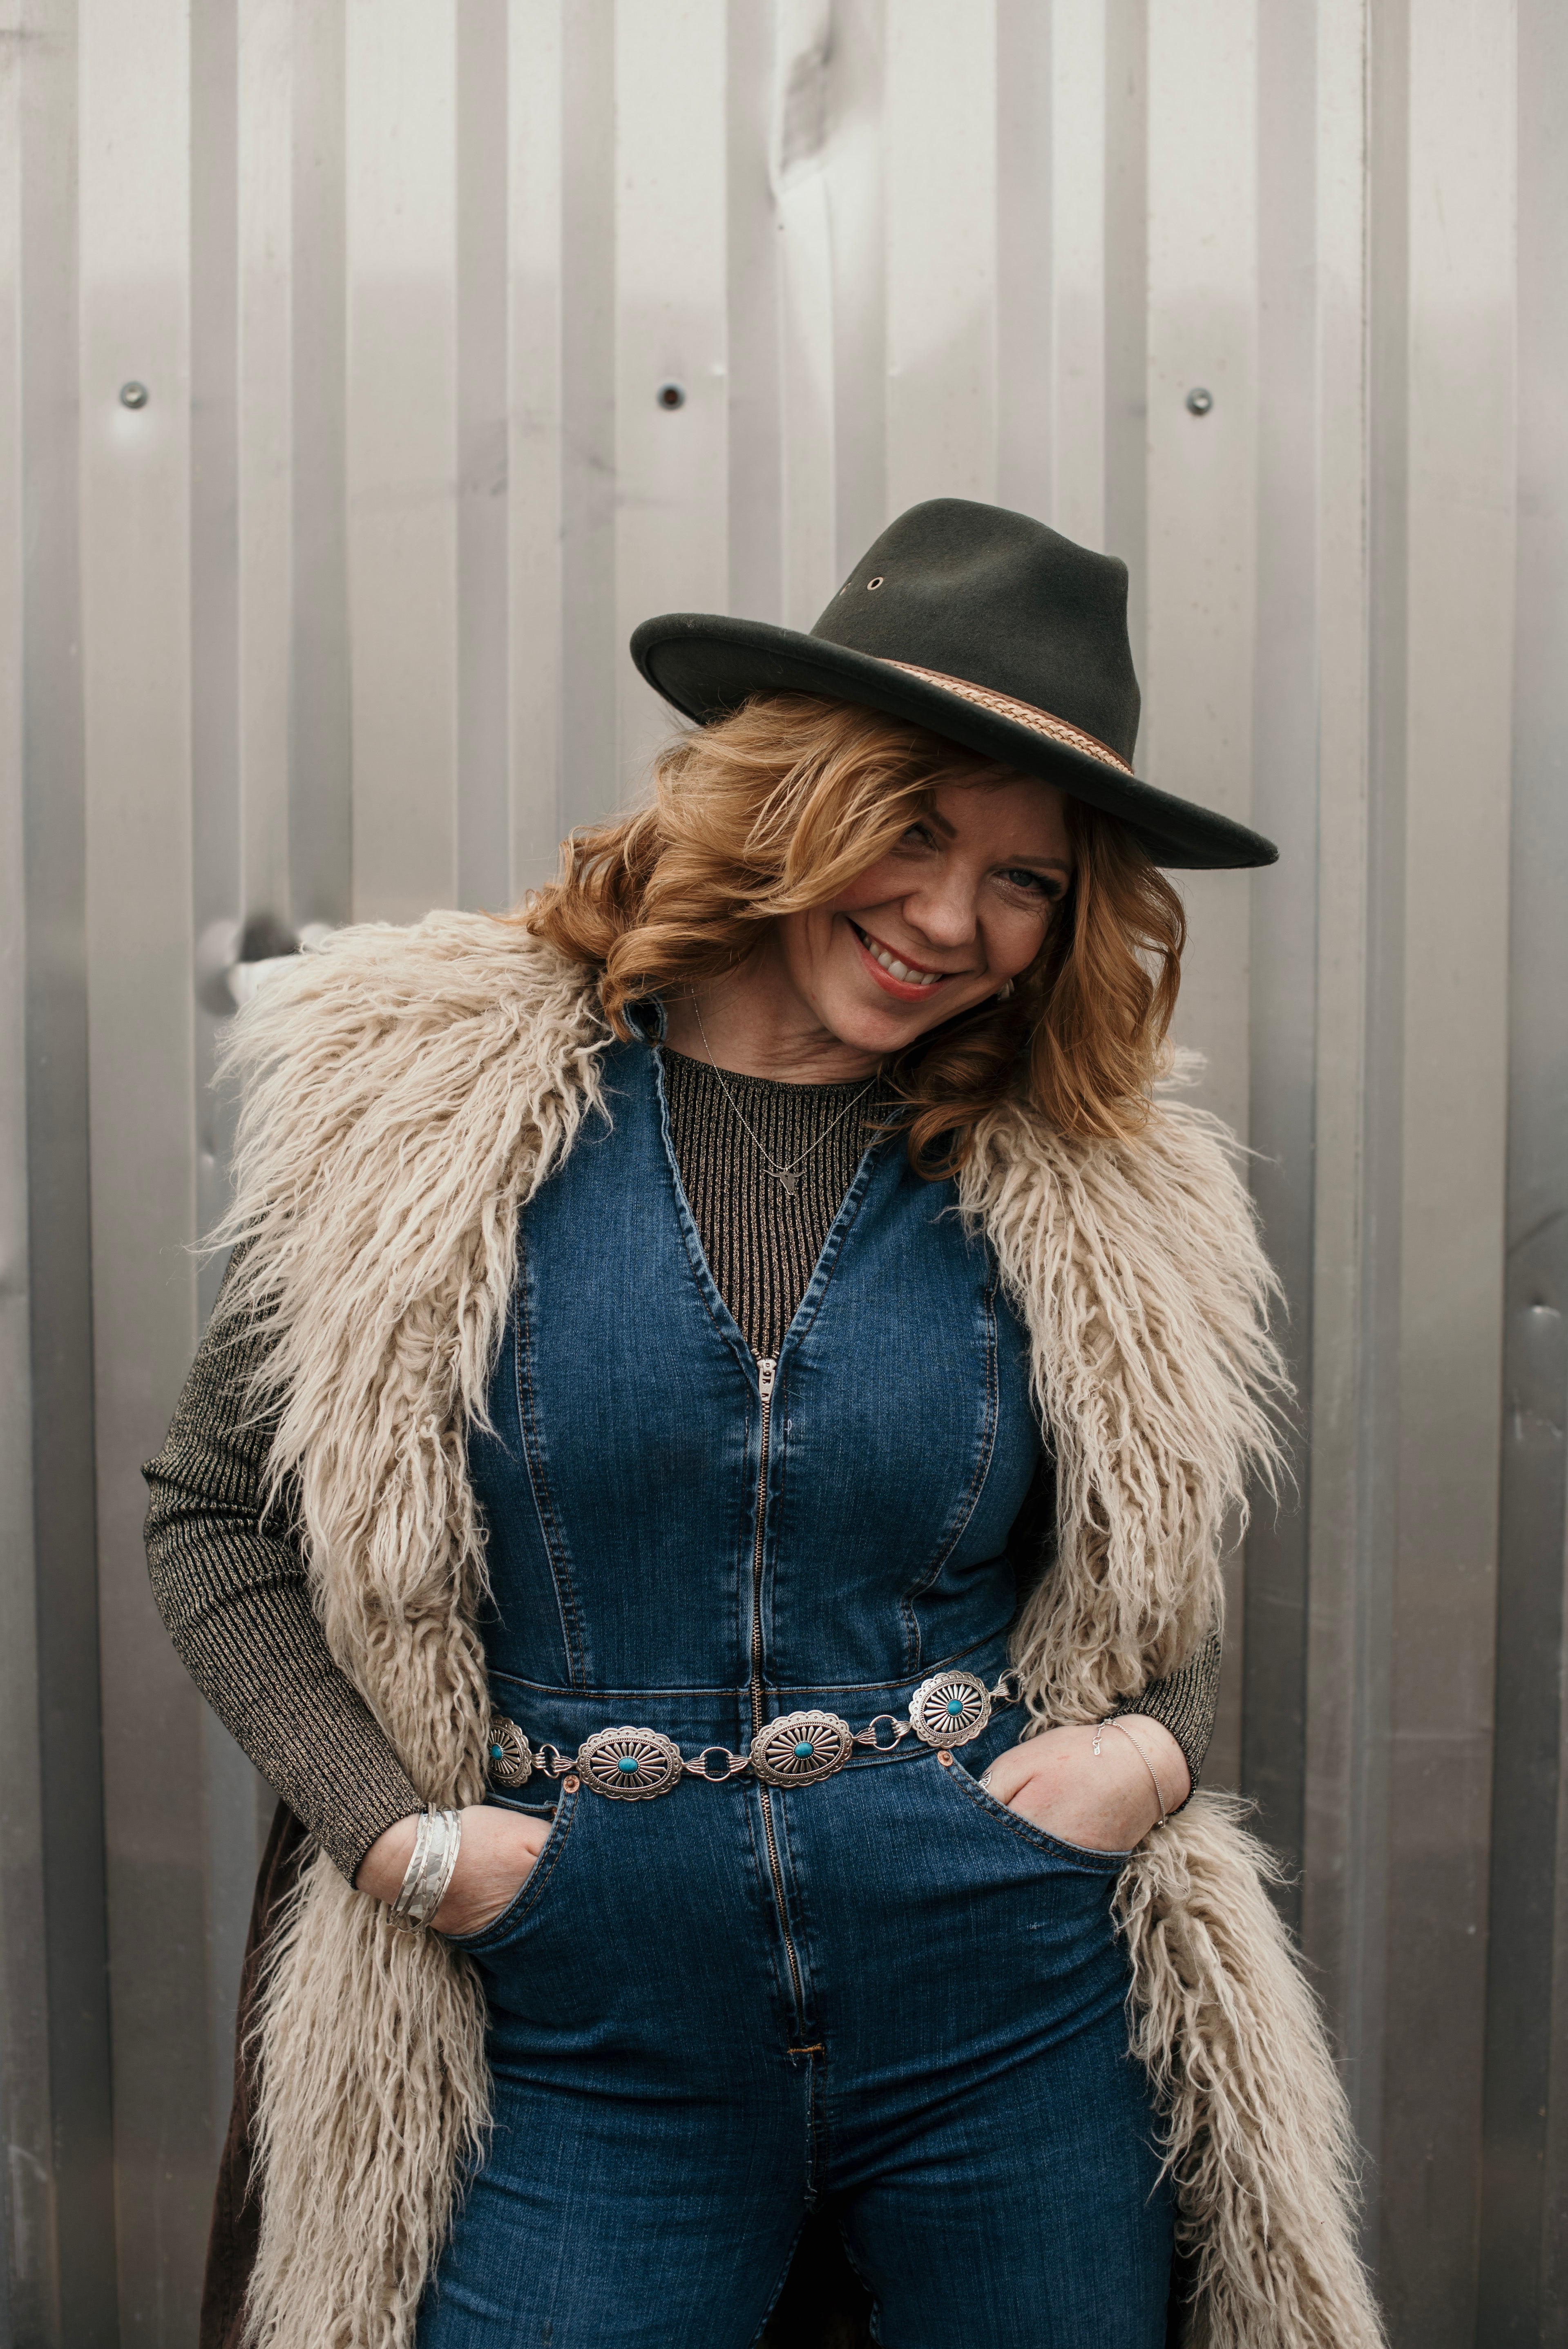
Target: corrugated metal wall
point(333, 625)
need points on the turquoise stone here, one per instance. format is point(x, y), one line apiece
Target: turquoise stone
point(629, 1763)
point(955, 1708)
point(805, 1750)
point(498, 1753)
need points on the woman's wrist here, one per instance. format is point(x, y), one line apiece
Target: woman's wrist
point(385, 1865)
point(1160, 1755)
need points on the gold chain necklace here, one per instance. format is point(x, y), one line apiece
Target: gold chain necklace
point(787, 1177)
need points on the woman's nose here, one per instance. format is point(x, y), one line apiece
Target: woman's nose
point(942, 910)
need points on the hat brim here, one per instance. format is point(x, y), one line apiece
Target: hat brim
point(707, 666)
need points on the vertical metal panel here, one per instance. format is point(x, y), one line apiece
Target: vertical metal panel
point(320, 774)
point(262, 63)
point(535, 455)
point(29, 2307)
point(403, 281)
point(399, 140)
point(135, 152)
point(1523, 2279)
point(591, 657)
point(1199, 561)
point(800, 128)
point(671, 467)
point(484, 619)
point(1126, 442)
point(1459, 607)
point(752, 239)
point(941, 253)
point(1024, 180)
point(60, 2179)
point(1077, 123)
point(1333, 1295)
point(1286, 785)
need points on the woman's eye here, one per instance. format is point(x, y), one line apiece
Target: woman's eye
point(1039, 884)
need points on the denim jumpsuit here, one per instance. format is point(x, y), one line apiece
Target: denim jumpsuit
point(709, 2010)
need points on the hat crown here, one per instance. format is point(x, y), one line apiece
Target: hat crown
point(1003, 601)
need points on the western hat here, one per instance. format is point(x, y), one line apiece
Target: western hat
point(985, 626)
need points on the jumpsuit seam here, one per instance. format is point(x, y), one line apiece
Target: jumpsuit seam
point(556, 1549)
point(984, 1454)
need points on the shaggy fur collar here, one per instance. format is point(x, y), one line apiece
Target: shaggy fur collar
point(406, 1092)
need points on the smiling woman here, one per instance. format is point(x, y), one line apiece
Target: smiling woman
point(841, 892)
point(733, 1390)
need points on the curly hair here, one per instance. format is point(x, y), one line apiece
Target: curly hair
point(779, 807)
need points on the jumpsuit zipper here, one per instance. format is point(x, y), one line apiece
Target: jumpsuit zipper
point(766, 1370)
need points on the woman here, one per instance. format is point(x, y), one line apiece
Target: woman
point(704, 1494)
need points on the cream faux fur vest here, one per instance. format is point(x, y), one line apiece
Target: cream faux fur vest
point(407, 1091)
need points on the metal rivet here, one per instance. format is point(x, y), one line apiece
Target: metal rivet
point(872, 582)
point(1198, 401)
point(134, 394)
point(571, 1784)
point(671, 395)
point(946, 1760)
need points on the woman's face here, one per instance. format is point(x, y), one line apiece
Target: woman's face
point(960, 906)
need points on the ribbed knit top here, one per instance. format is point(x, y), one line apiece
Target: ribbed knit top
point(231, 1585)
point(761, 1241)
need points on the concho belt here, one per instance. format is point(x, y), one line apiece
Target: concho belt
point(632, 1765)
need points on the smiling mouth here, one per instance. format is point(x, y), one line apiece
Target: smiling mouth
point(908, 974)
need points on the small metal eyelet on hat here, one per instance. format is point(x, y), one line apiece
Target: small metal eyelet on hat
point(872, 582)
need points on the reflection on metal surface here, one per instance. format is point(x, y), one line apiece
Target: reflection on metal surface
point(468, 336)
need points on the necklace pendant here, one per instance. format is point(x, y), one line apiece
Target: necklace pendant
point(788, 1182)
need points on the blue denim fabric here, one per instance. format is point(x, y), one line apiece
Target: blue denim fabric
point(710, 2010)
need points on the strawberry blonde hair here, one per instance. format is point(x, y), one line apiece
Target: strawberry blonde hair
point(779, 807)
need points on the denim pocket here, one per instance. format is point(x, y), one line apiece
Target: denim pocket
point(971, 1791)
point(503, 1928)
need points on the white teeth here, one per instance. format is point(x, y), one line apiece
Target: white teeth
point(894, 968)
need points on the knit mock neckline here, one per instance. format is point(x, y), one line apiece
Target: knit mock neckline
point(761, 1242)
point(803, 1088)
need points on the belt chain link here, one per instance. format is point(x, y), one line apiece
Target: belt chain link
point(632, 1765)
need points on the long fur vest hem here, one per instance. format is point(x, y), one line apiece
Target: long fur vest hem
point(406, 1090)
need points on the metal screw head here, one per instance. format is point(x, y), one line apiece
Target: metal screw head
point(134, 394)
point(671, 395)
point(1198, 401)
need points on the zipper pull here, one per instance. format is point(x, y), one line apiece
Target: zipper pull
point(766, 1367)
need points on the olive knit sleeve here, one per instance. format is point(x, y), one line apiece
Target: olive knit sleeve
point(230, 1583)
point(1185, 1704)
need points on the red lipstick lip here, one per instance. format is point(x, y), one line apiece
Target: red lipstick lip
point(885, 979)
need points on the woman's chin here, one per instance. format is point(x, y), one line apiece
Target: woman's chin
point(887, 1025)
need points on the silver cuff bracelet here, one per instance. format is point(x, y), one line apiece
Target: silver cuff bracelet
point(437, 1839)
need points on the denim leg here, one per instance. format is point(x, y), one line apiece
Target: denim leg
point(1033, 2220)
point(610, 2224)
point(650, 2166)
point(991, 2145)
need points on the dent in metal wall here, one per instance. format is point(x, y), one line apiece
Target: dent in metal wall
point(333, 627)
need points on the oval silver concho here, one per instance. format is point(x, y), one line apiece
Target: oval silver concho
point(630, 1765)
point(801, 1748)
point(949, 1709)
point(507, 1759)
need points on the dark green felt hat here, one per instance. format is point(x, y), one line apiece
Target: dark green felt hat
point(984, 627)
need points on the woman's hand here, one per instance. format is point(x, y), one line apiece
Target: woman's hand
point(1104, 1801)
point(494, 1860)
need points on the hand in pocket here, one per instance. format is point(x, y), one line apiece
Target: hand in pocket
point(494, 1860)
point(1100, 1802)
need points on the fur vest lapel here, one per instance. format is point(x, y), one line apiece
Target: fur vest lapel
point(407, 1091)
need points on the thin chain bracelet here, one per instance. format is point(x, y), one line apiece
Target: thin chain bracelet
point(1100, 1729)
